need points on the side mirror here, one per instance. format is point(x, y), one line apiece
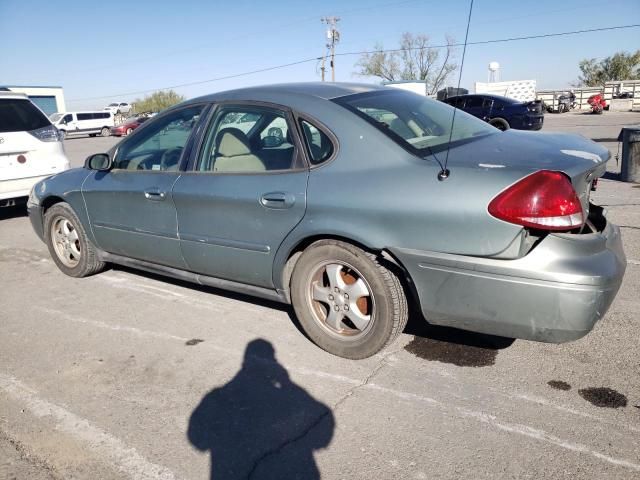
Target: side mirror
point(98, 161)
point(272, 141)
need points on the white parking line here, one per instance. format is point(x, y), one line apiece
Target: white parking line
point(633, 262)
point(125, 458)
point(522, 430)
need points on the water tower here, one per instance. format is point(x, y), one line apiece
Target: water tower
point(494, 72)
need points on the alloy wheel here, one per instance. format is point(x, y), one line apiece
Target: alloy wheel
point(341, 300)
point(66, 241)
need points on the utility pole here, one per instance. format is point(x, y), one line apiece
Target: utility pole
point(333, 35)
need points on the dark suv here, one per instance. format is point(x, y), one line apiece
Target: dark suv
point(501, 112)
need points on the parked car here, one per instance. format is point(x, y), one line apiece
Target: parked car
point(332, 198)
point(501, 112)
point(30, 148)
point(121, 107)
point(83, 123)
point(128, 126)
point(624, 95)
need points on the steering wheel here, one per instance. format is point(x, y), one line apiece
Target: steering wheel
point(170, 158)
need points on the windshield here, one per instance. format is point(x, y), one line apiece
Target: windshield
point(54, 117)
point(417, 123)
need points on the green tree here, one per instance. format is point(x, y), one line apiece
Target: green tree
point(415, 59)
point(157, 101)
point(620, 66)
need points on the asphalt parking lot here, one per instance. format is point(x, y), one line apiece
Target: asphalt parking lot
point(128, 375)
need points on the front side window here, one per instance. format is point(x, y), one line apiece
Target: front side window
point(247, 139)
point(319, 146)
point(419, 124)
point(68, 118)
point(160, 145)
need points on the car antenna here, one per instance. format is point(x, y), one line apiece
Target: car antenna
point(444, 172)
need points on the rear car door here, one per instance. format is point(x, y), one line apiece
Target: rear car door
point(130, 207)
point(474, 106)
point(245, 193)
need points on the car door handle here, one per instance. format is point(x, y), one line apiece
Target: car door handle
point(154, 194)
point(277, 200)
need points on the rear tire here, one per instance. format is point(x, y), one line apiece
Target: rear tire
point(500, 123)
point(68, 244)
point(347, 302)
point(105, 131)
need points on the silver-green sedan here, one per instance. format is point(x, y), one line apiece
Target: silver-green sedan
point(350, 202)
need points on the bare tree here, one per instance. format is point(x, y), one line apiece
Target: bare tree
point(379, 64)
point(416, 59)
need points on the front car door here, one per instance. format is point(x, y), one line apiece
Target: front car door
point(245, 193)
point(130, 207)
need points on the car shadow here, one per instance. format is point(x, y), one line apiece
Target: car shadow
point(16, 211)
point(261, 424)
point(451, 345)
point(430, 342)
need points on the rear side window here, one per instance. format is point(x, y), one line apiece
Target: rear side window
point(474, 102)
point(319, 146)
point(20, 115)
point(84, 116)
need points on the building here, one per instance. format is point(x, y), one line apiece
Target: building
point(415, 86)
point(49, 99)
point(521, 90)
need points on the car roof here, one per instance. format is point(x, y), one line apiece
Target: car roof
point(485, 95)
point(325, 90)
point(8, 94)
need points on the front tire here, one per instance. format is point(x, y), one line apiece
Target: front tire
point(129, 131)
point(347, 302)
point(68, 244)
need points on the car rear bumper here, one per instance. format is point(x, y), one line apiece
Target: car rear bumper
point(18, 187)
point(556, 293)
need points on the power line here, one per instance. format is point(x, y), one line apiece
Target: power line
point(500, 40)
point(362, 52)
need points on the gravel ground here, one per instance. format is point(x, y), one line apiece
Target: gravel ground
point(128, 375)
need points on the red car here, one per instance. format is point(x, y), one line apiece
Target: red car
point(127, 127)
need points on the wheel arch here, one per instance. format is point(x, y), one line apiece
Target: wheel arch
point(290, 251)
point(288, 256)
point(49, 202)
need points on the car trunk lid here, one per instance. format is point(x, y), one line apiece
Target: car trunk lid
point(522, 152)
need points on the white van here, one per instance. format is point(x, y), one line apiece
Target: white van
point(30, 147)
point(83, 123)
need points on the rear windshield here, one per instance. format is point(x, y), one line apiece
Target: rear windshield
point(20, 115)
point(418, 123)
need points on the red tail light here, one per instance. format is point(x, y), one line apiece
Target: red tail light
point(544, 200)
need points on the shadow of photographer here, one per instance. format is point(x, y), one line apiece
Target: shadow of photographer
point(261, 424)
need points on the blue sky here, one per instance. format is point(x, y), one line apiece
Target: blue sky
point(106, 48)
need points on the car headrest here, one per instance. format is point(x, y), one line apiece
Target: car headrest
point(232, 142)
